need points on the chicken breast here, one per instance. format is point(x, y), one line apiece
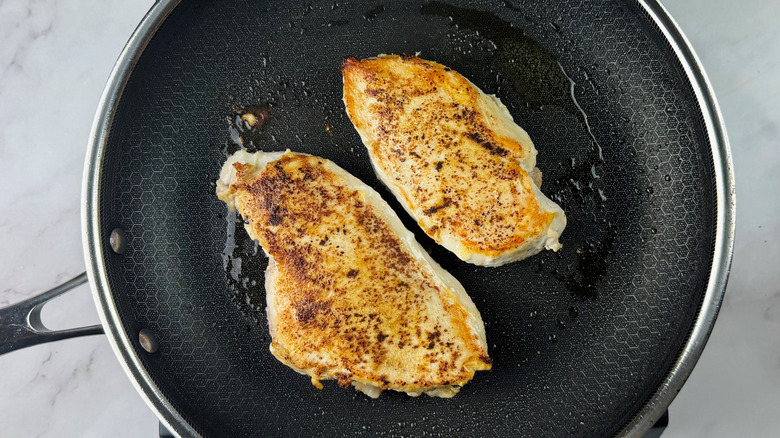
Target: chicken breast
point(453, 157)
point(351, 295)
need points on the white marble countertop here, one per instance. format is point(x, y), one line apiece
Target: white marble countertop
point(54, 61)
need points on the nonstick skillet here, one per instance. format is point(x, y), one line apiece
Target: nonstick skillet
point(595, 340)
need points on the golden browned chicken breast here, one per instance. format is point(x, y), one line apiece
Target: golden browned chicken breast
point(453, 157)
point(351, 295)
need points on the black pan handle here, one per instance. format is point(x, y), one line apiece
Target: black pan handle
point(21, 325)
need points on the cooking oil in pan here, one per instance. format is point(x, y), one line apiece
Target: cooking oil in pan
point(373, 13)
point(243, 265)
point(245, 126)
point(244, 268)
point(541, 81)
point(533, 72)
point(532, 69)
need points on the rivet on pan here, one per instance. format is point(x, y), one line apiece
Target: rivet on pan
point(118, 241)
point(147, 340)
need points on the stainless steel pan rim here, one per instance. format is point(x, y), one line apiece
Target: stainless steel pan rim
point(642, 421)
point(725, 223)
point(93, 248)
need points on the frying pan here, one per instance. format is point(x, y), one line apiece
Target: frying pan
point(594, 340)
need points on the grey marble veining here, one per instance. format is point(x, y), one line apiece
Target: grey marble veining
point(735, 388)
point(54, 60)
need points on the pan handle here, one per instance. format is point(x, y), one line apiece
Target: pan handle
point(21, 325)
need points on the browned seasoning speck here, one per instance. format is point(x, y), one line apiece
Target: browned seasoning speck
point(445, 203)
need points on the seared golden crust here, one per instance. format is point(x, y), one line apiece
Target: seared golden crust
point(351, 302)
point(441, 146)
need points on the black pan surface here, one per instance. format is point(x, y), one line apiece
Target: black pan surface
point(580, 339)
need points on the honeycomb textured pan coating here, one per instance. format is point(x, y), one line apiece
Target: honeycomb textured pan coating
point(580, 338)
